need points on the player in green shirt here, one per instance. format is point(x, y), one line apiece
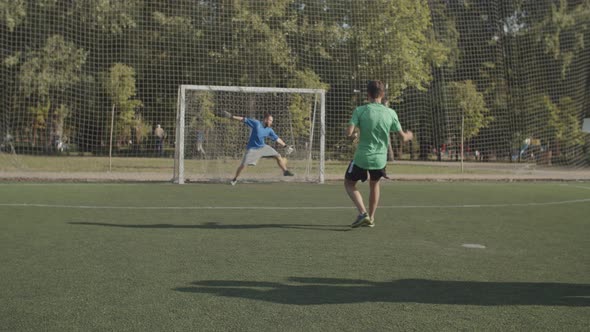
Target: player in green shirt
point(374, 121)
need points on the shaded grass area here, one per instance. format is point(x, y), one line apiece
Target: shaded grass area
point(268, 257)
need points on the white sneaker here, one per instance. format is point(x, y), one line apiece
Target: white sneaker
point(233, 182)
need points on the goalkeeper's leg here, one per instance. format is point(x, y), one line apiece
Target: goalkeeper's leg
point(282, 162)
point(250, 158)
point(238, 171)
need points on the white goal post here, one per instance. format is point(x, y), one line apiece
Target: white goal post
point(209, 146)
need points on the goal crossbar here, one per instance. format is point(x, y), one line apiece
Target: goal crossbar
point(250, 89)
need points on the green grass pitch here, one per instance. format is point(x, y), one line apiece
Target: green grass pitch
point(281, 257)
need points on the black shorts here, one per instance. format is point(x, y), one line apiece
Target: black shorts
point(355, 173)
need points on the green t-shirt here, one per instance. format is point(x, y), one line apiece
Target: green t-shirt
point(375, 122)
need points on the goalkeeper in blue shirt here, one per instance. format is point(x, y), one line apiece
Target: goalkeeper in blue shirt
point(257, 148)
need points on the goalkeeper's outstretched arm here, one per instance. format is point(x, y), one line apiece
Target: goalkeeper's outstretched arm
point(233, 117)
point(281, 142)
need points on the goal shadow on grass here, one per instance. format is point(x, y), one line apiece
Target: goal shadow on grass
point(314, 291)
point(220, 226)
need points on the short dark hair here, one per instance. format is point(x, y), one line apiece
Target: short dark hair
point(375, 89)
point(266, 115)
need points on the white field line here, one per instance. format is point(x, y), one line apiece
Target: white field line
point(450, 206)
point(579, 187)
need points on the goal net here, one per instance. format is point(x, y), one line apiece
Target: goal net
point(491, 89)
point(209, 147)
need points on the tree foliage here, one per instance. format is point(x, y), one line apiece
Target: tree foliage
point(471, 110)
point(12, 13)
point(120, 86)
point(52, 69)
point(523, 63)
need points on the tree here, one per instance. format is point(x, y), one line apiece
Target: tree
point(348, 45)
point(119, 84)
point(168, 45)
point(106, 16)
point(300, 106)
point(550, 103)
point(254, 49)
point(12, 13)
point(394, 41)
point(44, 78)
point(469, 107)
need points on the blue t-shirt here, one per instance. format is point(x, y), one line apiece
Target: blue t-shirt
point(258, 134)
point(200, 136)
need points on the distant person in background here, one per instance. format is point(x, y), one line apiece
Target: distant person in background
point(200, 139)
point(6, 144)
point(160, 136)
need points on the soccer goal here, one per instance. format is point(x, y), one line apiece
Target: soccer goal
point(209, 147)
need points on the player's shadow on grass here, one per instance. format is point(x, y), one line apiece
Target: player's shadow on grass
point(313, 291)
point(220, 226)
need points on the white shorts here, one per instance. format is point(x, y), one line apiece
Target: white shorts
point(252, 156)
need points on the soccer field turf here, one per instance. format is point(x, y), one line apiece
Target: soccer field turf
point(281, 257)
